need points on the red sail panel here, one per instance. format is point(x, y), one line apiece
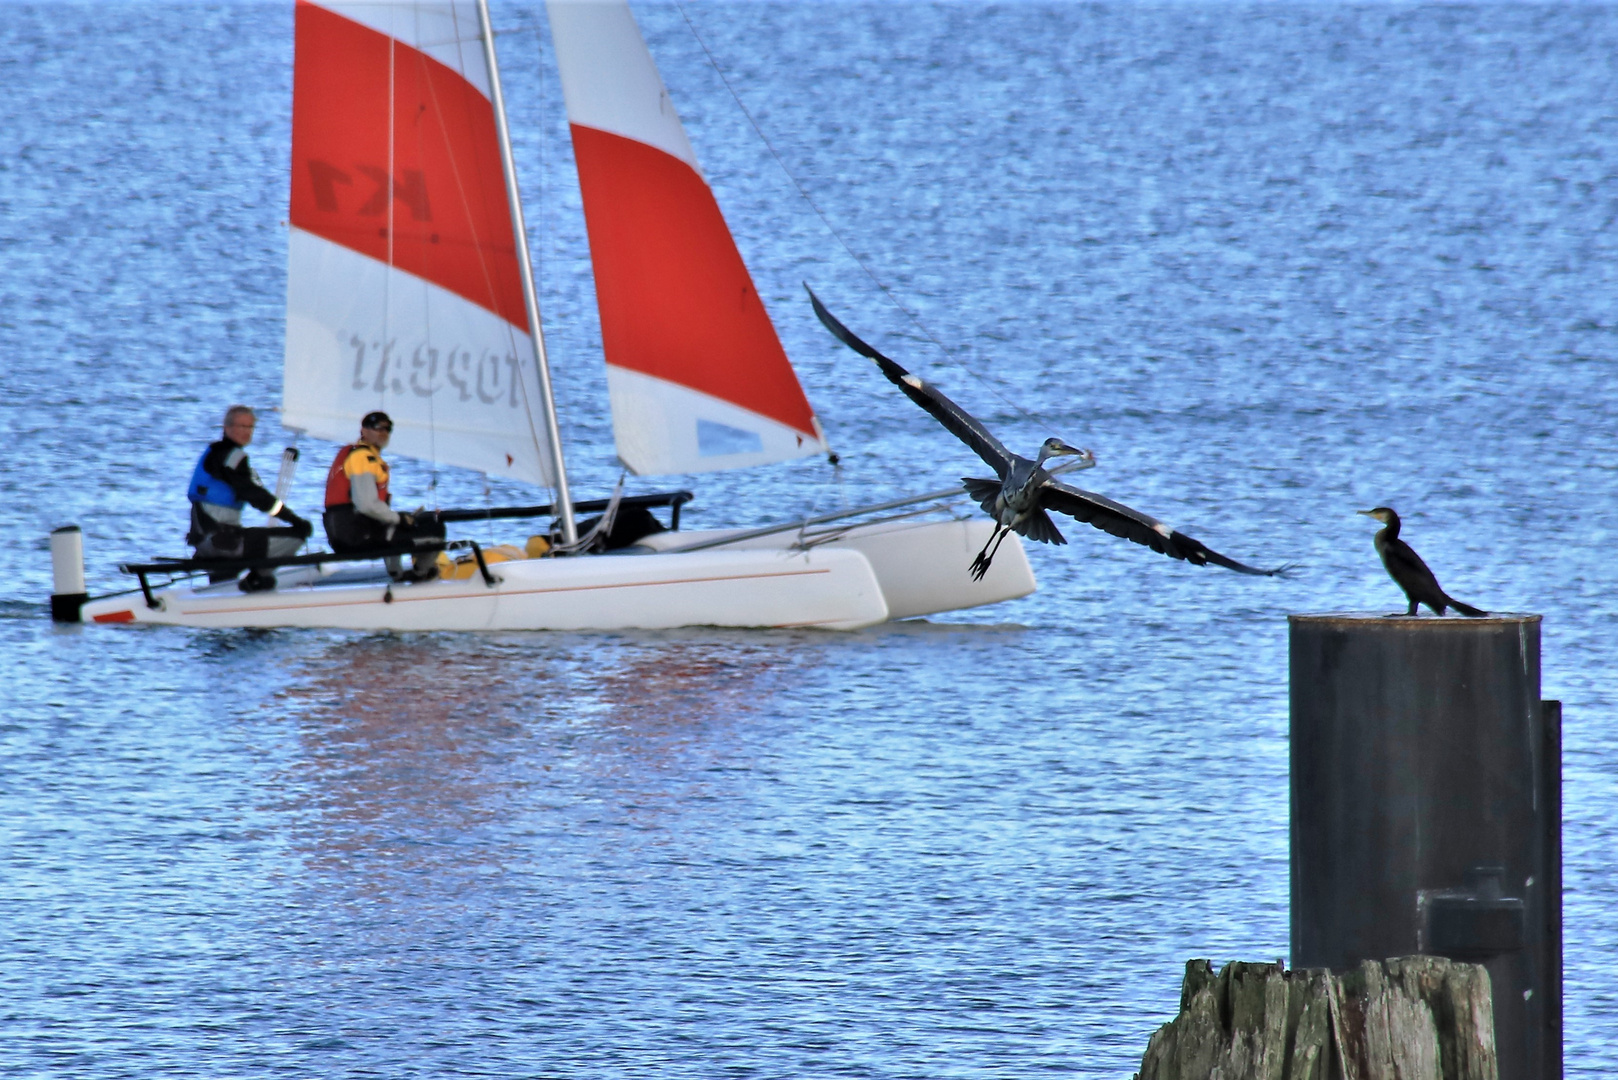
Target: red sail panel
point(676, 299)
point(440, 180)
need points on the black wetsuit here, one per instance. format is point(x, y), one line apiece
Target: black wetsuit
point(349, 530)
point(213, 538)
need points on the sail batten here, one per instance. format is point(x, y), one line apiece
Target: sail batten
point(685, 333)
point(404, 291)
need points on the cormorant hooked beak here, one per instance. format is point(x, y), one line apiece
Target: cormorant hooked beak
point(1379, 514)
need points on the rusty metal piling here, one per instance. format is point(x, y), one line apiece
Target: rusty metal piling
point(1426, 809)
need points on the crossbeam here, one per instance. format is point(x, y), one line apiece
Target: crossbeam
point(315, 558)
point(163, 565)
point(956, 492)
point(672, 499)
point(171, 567)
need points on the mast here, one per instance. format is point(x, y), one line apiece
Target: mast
point(553, 430)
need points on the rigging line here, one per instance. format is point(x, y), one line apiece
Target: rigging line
point(387, 281)
point(807, 198)
point(525, 270)
point(545, 234)
point(541, 451)
point(427, 307)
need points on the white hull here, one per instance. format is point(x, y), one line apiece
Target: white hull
point(867, 576)
point(920, 565)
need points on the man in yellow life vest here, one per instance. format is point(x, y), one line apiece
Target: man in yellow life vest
point(358, 511)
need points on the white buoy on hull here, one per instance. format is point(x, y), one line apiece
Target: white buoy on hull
point(67, 573)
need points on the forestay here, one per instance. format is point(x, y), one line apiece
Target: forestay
point(696, 373)
point(403, 288)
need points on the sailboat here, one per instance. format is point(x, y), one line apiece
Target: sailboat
point(410, 290)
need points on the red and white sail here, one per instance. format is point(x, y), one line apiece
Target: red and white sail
point(696, 373)
point(403, 288)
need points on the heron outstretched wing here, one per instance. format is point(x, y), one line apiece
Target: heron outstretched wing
point(955, 419)
point(1119, 520)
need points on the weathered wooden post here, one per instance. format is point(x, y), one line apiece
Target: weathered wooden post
point(1426, 809)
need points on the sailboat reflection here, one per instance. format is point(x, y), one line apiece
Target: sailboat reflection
point(455, 757)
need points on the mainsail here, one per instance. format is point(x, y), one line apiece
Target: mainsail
point(696, 373)
point(403, 286)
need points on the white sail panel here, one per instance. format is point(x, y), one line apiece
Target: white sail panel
point(609, 79)
point(403, 285)
point(459, 381)
point(698, 376)
point(663, 427)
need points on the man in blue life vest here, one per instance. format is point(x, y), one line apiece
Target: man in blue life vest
point(221, 484)
point(358, 511)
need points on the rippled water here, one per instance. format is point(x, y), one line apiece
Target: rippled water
point(1275, 263)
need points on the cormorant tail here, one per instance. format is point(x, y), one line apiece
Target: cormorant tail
point(1465, 609)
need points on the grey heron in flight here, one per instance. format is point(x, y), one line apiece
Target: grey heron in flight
point(1025, 490)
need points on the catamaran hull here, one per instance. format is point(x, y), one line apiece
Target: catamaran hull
point(925, 567)
point(861, 577)
point(833, 590)
point(922, 566)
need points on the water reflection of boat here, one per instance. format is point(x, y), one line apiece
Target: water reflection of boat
point(423, 749)
point(410, 290)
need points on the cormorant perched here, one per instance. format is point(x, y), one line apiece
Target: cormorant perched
point(1406, 568)
point(1019, 499)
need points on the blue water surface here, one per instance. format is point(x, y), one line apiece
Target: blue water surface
point(1275, 263)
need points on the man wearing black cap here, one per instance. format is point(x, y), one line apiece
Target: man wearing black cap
point(358, 515)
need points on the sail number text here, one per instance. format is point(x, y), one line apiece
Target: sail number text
point(426, 370)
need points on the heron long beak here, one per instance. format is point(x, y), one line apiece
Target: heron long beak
point(1067, 450)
